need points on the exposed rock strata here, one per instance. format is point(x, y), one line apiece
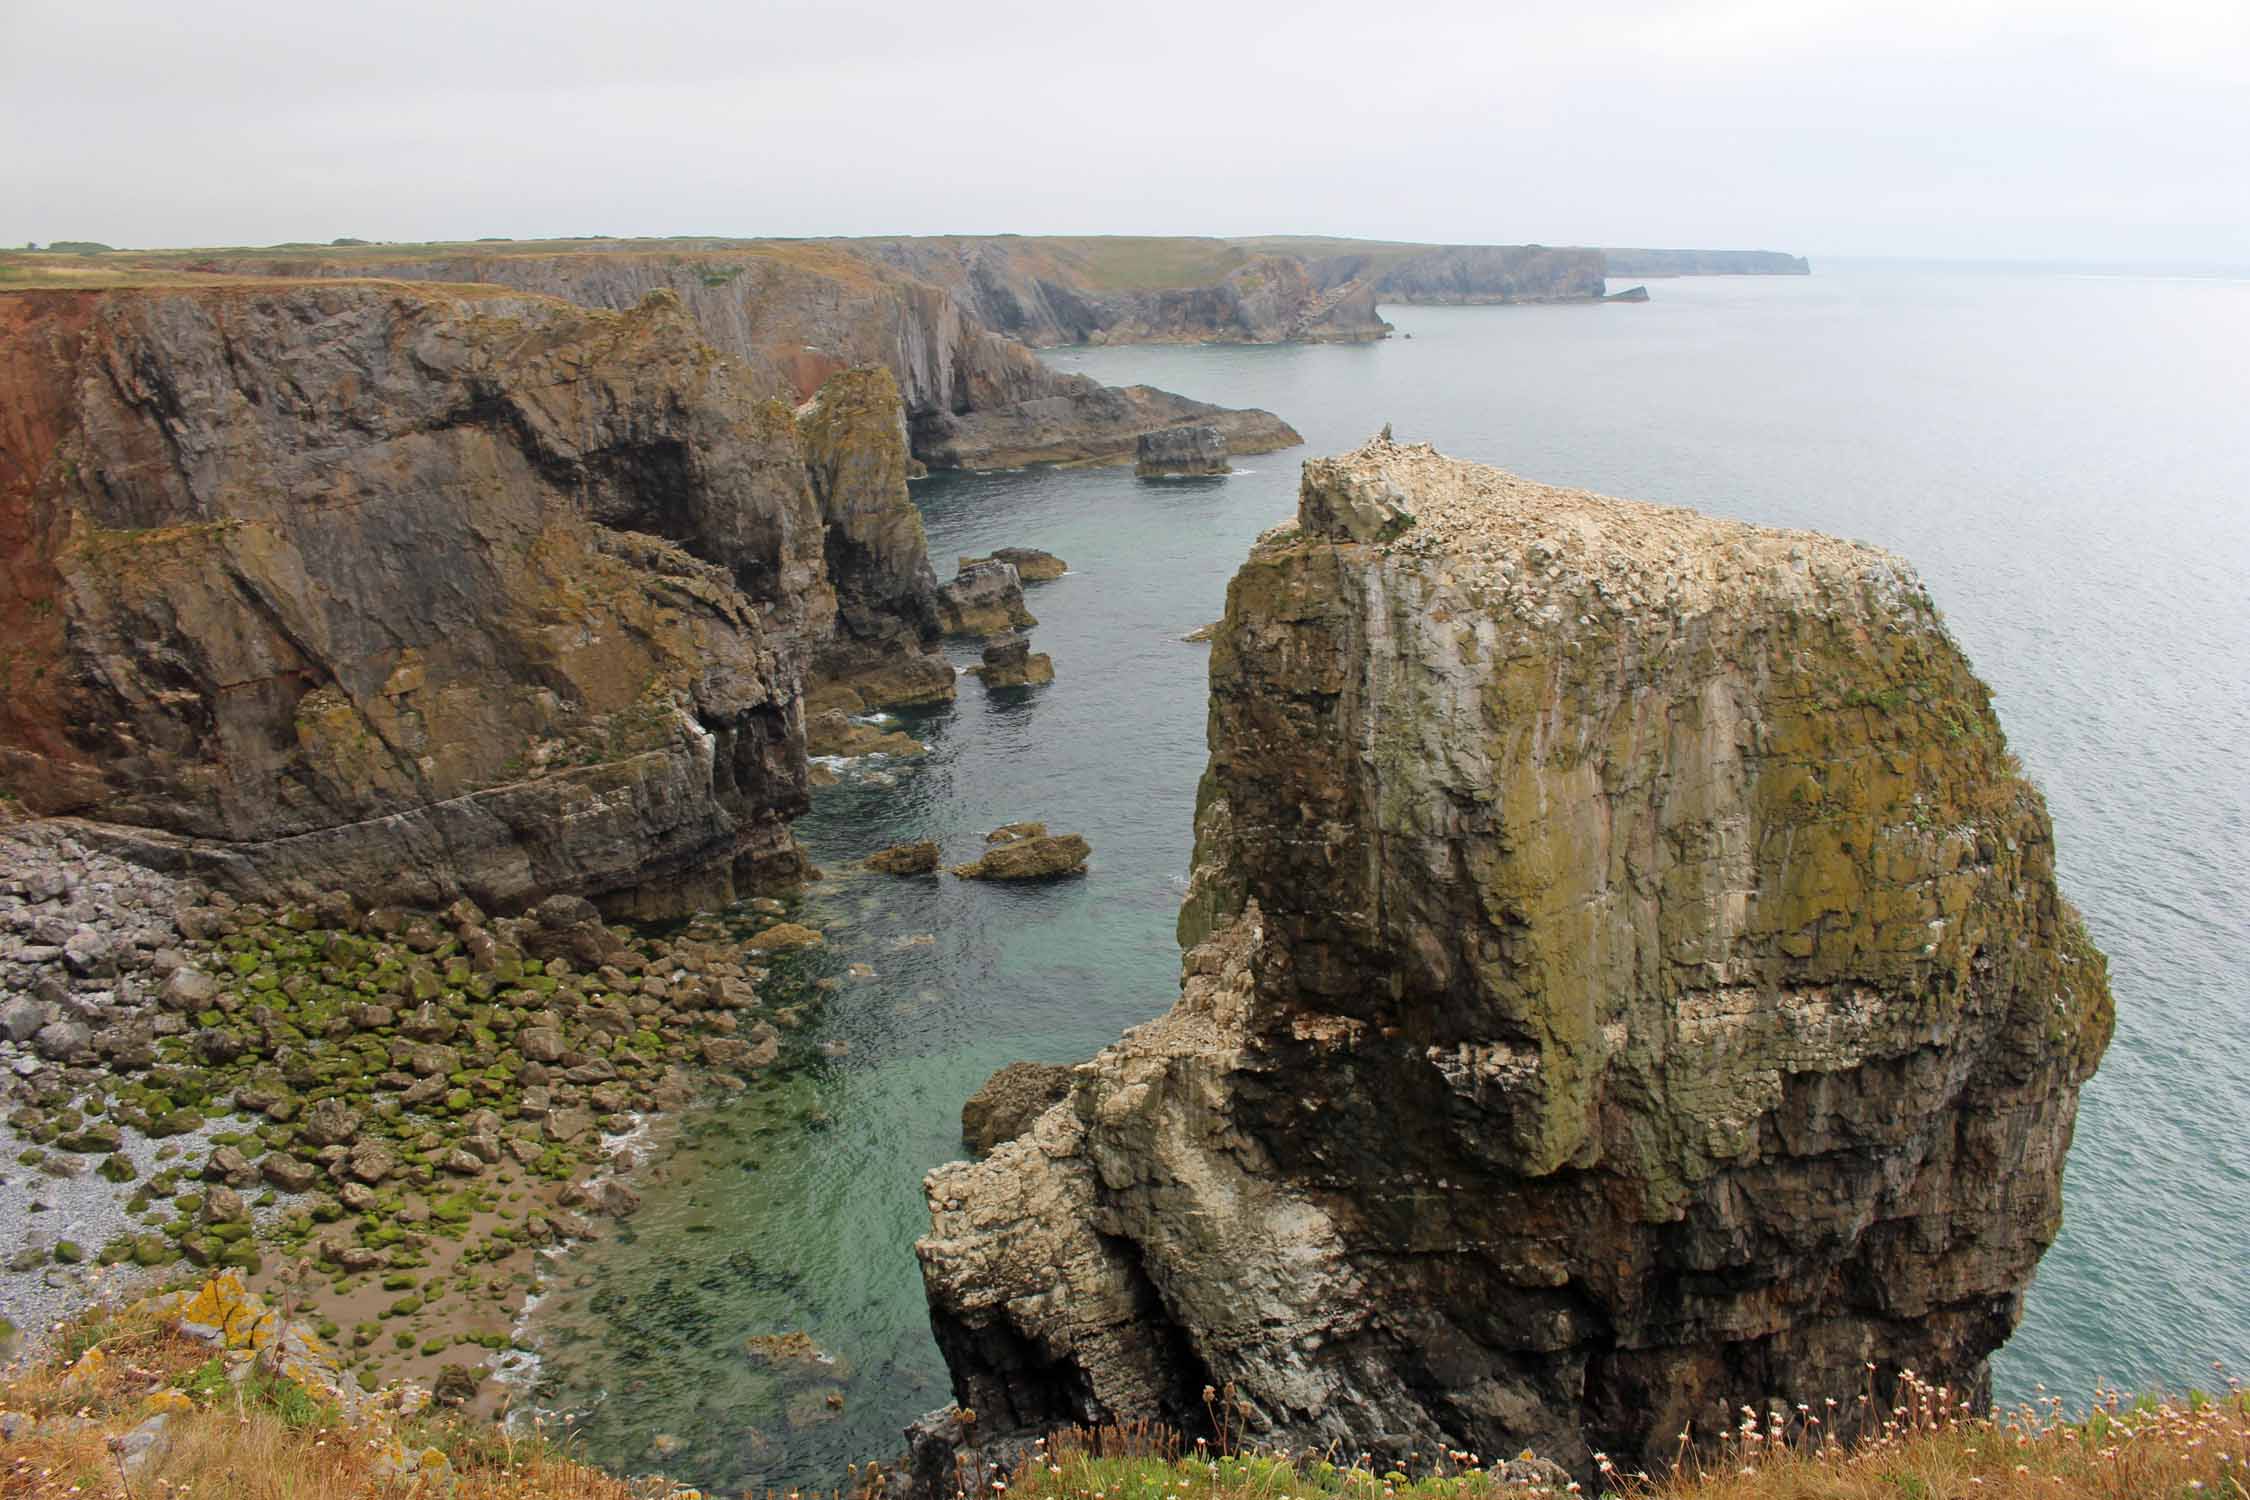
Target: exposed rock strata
point(1031, 564)
point(793, 314)
point(1181, 450)
point(877, 559)
point(1009, 661)
point(984, 598)
point(427, 594)
point(1031, 856)
point(1009, 1101)
point(917, 858)
point(1625, 978)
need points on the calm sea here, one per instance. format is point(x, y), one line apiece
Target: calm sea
point(2067, 459)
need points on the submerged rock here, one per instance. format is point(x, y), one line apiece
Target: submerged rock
point(835, 733)
point(1182, 450)
point(1031, 858)
point(1010, 662)
point(1624, 977)
point(918, 858)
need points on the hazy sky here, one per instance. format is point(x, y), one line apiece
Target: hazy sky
point(1974, 128)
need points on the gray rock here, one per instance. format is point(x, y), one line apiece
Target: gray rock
point(1181, 450)
point(371, 1162)
point(22, 1017)
point(188, 990)
point(1010, 1100)
point(329, 1122)
point(60, 1041)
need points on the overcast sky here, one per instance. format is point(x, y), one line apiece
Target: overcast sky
point(2074, 129)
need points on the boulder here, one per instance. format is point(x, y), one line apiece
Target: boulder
point(1033, 858)
point(784, 937)
point(837, 733)
point(60, 1041)
point(21, 1017)
point(329, 1122)
point(918, 858)
point(1181, 450)
point(1010, 662)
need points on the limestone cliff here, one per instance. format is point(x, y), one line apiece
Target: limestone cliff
point(1133, 290)
point(793, 313)
point(1625, 978)
point(418, 593)
point(878, 561)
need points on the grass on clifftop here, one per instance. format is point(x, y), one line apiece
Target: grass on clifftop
point(1927, 1448)
point(246, 1435)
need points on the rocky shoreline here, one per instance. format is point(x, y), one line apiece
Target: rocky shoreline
point(390, 1111)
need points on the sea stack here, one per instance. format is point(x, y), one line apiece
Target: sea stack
point(1009, 661)
point(1624, 979)
point(1181, 450)
point(984, 598)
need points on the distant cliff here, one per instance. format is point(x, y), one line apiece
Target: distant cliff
point(1624, 978)
point(416, 593)
point(1127, 289)
point(1706, 263)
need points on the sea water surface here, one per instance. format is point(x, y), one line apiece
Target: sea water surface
point(2067, 460)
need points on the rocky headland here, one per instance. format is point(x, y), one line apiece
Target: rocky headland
point(1624, 979)
point(1706, 263)
point(790, 314)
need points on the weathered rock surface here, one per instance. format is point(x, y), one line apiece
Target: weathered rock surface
point(1181, 450)
point(1031, 564)
point(1036, 856)
point(1010, 1100)
point(984, 598)
point(837, 733)
point(427, 594)
point(877, 560)
point(917, 858)
point(1625, 977)
point(1009, 661)
point(792, 314)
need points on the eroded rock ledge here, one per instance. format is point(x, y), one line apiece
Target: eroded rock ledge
point(1625, 977)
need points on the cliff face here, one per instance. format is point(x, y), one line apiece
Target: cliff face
point(878, 561)
point(1625, 978)
point(417, 593)
point(1480, 274)
point(794, 314)
point(1128, 290)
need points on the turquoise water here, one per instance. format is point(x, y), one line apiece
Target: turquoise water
point(2065, 458)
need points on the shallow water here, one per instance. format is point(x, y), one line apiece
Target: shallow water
point(2065, 459)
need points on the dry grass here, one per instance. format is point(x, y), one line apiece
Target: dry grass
point(255, 1438)
point(1927, 1447)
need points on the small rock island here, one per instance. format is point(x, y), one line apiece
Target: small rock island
point(1181, 451)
